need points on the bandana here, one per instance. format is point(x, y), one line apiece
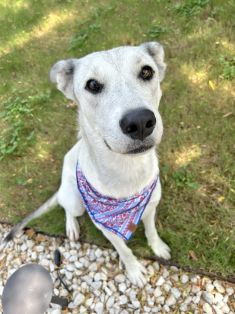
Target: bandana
point(120, 216)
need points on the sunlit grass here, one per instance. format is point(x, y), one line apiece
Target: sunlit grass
point(195, 75)
point(187, 154)
point(49, 22)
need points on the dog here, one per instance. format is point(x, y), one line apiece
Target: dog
point(114, 166)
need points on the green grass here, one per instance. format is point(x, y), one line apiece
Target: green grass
point(38, 126)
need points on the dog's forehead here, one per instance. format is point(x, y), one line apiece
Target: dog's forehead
point(117, 57)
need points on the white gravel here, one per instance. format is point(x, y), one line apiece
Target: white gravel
point(99, 284)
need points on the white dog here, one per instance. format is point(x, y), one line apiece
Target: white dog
point(112, 171)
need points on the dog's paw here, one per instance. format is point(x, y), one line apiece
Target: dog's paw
point(161, 249)
point(72, 228)
point(136, 274)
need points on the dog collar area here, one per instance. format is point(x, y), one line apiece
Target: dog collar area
point(120, 216)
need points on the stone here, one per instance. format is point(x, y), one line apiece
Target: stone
point(160, 281)
point(99, 307)
point(70, 267)
point(39, 248)
point(120, 278)
point(166, 287)
point(23, 247)
point(209, 287)
point(184, 279)
point(68, 275)
point(230, 291)
point(136, 304)
point(217, 309)
point(156, 266)
point(110, 302)
point(170, 300)
point(122, 287)
point(79, 299)
point(166, 308)
point(123, 299)
point(96, 285)
point(78, 265)
point(160, 300)
point(208, 297)
point(157, 292)
point(98, 253)
point(218, 297)
point(225, 309)
point(176, 292)
point(218, 286)
point(207, 308)
point(165, 273)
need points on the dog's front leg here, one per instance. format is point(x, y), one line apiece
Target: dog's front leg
point(159, 247)
point(135, 271)
point(68, 195)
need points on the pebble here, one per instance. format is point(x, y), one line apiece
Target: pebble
point(167, 287)
point(100, 285)
point(120, 278)
point(79, 299)
point(157, 292)
point(68, 275)
point(160, 281)
point(207, 308)
point(123, 299)
point(136, 304)
point(39, 248)
point(122, 287)
point(218, 297)
point(170, 300)
point(24, 247)
point(209, 287)
point(208, 297)
point(70, 267)
point(99, 308)
point(176, 293)
point(98, 253)
point(218, 286)
point(184, 278)
point(110, 302)
point(230, 291)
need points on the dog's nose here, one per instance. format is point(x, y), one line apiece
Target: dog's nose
point(138, 124)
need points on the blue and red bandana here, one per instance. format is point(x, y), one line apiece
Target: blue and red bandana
point(120, 216)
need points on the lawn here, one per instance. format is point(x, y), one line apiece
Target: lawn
point(196, 216)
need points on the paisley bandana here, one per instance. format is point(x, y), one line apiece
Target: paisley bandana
point(120, 216)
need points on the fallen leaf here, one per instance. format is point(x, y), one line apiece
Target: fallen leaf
point(192, 255)
point(227, 114)
point(41, 238)
point(221, 199)
point(71, 105)
point(30, 233)
point(212, 85)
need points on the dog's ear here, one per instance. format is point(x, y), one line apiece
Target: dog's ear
point(156, 51)
point(62, 74)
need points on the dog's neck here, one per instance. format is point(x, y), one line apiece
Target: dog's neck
point(113, 174)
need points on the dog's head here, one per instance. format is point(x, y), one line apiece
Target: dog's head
point(118, 92)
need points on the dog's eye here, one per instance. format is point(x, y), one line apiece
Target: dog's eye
point(94, 86)
point(146, 73)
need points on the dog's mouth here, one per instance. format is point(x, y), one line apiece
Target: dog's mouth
point(138, 150)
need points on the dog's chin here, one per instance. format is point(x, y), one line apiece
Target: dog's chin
point(140, 149)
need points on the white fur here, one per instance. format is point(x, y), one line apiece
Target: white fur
point(112, 171)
